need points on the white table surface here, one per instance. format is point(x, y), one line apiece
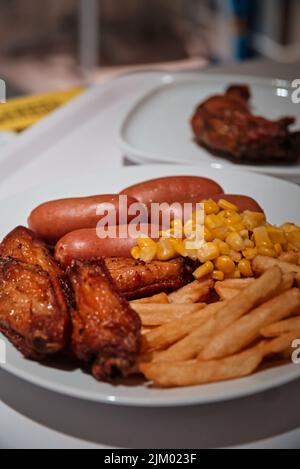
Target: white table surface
point(34, 418)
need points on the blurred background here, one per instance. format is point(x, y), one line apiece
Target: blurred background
point(55, 44)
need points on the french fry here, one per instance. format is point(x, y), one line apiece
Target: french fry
point(167, 334)
point(190, 373)
point(281, 327)
point(244, 331)
point(161, 298)
point(194, 292)
point(194, 339)
point(262, 263)
point(291, 257)
point(236, 283)
point(158, 314)
point(226, 293)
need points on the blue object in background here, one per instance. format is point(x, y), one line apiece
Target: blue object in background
point(241, 14)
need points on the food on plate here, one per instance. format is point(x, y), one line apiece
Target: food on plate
point(190, 373)
point(173, 189)
point(137, 279)
point(207, 294)
point(232, 239)
point(106, 330)
point(85, 244)
point(226, 126)
point(53, 220)
point(31, 313)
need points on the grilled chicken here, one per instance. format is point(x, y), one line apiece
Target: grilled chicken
point(135, 279)
point(106, 331)
point(33, 308)
point(30, 311)
point(225, 126)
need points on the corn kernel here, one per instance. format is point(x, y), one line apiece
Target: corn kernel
point(278, 249)
point(148, 253)
point(146, 243)
point(245, 268)
point(207, 235)
point(224, 249)
point(212, 221)
point(211, 207)
point(208, 252)
point(266, 251)
point(235, 241)
point(253, 219)
point(235, 256)
point(239, 227)
point(178, 246)
point(261, 237)
point(288, 227)
point(249, 243)
point(294, 238)
point(204, 270)
point(225, 205)
point(221, 233)
point(244, 234)
point(233, 220)
point(136, 252)
point(276, 235)
point(165, 250)
point(225, 264)
point(236, 274)
point(250, 253)
point(218, 275)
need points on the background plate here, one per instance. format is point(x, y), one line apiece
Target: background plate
point(281, 202)
point(157, 129)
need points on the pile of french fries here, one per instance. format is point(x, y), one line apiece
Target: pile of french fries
point(188, 340)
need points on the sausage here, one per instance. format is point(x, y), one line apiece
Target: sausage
point(53, 220)
point(173, 189)
point(86, 244)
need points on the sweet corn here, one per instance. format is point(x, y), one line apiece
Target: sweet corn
point(266, 251)
point(218, 275)
point(136, 252)
point(235, 256)
point(204, 270)
point(148, 253)
point(253, 219)
point(212, 221)
point(221, 233)
point(245, 268)
point(278, 249)
point(165, 250)
point(225, 205)
point(261, 237)
point(235, 241)
point(276, 235)
point(224, 249)
point(294, 238)
point(211, 207)
point(178, 246)
point(208, 252)
point(146, 243)
point(225, 264)
point(207, 235)
point(236, 274)
point(250, 253)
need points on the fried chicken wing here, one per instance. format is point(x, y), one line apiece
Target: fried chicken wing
point(106, 331)
point(135, 279)
point(31, 316)
point(23, 245)
point(225, 126)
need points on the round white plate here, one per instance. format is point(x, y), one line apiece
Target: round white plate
point(157, 129)
point(281, 202)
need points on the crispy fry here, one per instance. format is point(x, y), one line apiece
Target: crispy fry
point(158, 314)
point(262, 263)
point(281, 327)
point(190, 373)
point(161, 298)
point(168, 334)
point(236, 283)
point(291, 257)
point(226, 293)
point(244, 331)
point(194, 292)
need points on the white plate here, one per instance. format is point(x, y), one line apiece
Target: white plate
point(157, 129)
point(279, 198)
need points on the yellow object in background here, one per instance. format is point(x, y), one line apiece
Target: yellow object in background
point(20, 113)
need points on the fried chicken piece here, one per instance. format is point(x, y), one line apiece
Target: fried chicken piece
point(31, 316)
point(23, 245)
point(135, 279)
point(225, 126)
point(106, 331)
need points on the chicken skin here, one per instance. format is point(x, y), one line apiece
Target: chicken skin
point(135, 279)
point(225, 126)
point(30, 312)
point(33, 309)
point(106, 331)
